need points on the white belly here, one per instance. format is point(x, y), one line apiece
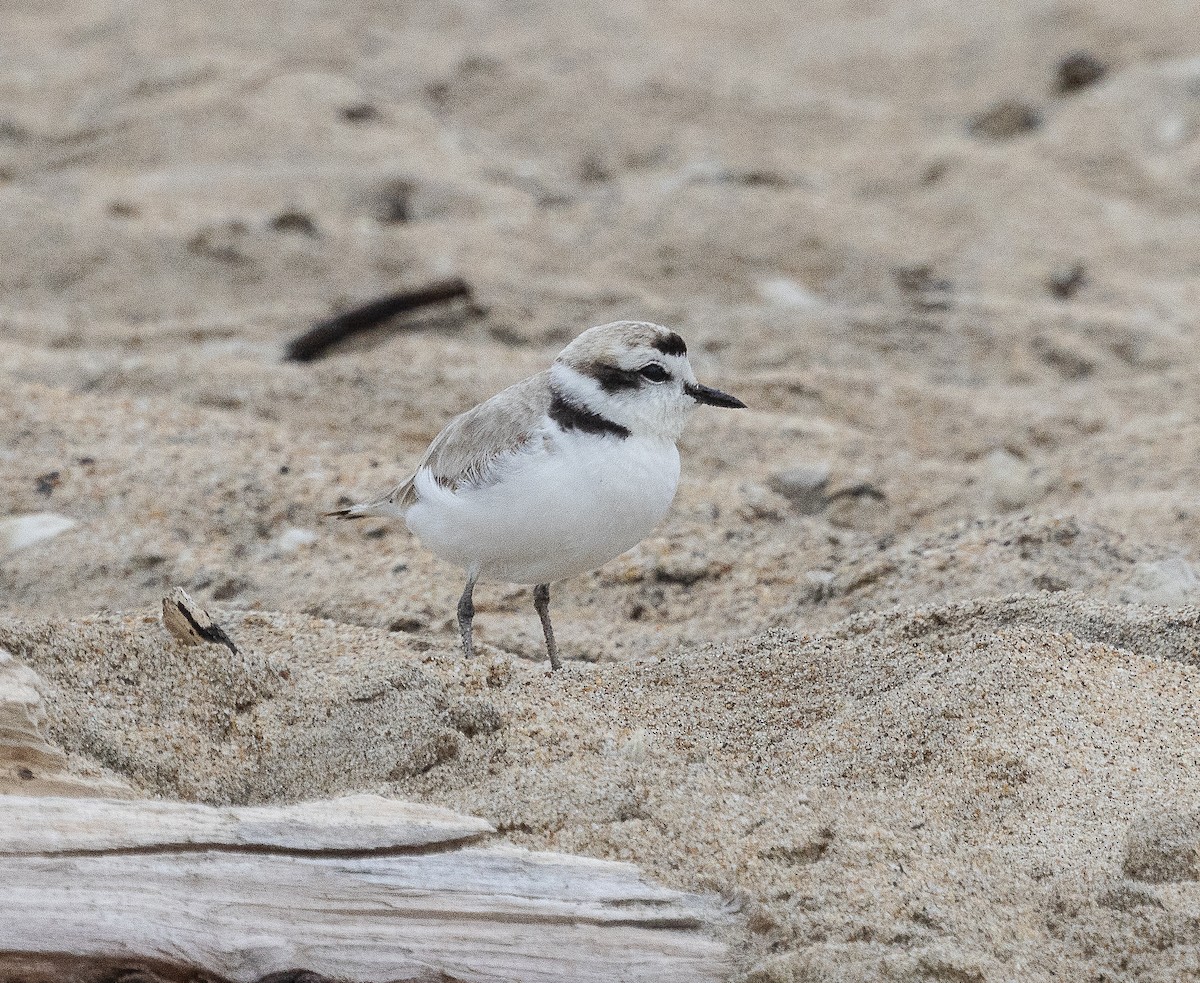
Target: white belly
point(557, 512)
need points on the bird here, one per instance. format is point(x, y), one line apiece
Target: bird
point(559, 473)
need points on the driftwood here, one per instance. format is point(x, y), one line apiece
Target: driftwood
point(99, 889)
point(323, 335)
point(189, 624)
point(29, 763)
point(361, 889)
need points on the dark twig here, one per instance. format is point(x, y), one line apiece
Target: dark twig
point(314, 342)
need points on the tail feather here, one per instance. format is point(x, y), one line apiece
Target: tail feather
point(394, 505)
point(344, 514)
point(383, 507)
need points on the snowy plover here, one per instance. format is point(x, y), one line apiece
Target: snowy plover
point(559, 473)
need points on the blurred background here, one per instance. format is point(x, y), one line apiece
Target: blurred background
point(947, 252)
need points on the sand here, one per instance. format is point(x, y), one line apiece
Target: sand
point(908, 675)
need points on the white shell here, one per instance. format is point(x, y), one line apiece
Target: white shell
point(19, 531)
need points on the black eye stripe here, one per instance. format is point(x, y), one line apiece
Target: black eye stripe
point(611, 378)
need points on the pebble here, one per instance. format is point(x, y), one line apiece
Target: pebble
point(1006, 120)
point(1065, 282)
point(784, 292)
point(294, 539)
point(1079, 70)
point(19, 531)
point(1008, 480)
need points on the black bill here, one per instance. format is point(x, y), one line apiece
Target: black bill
point(713, 397)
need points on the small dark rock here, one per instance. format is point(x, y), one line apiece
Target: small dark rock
point(1005, 120)
point(1078, 70)
point(394, 201)
point(222, 241)
point(1068, 359)
point(408, 621)
point(361, 112)
point(46, 483)
point(593, 169)
point(1065, 282)
point(293, 221)
point(229, 587)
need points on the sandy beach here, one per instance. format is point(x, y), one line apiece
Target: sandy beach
point(910, 675)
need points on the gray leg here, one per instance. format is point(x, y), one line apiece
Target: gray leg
point(466, 615)
point(541, 602)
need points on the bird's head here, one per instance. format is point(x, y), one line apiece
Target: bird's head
point(635, 374)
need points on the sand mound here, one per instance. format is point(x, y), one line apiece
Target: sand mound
point(994, 557)
point(307, 708)
point(992, 789)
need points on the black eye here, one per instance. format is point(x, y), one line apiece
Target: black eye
point(654, 372)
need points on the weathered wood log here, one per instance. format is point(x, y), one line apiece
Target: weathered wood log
point(361, 888)
point(29, 763)
point(353, 824)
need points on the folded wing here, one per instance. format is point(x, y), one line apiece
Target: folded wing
point(467, 449)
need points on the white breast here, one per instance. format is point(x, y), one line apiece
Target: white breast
point(562, 506)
